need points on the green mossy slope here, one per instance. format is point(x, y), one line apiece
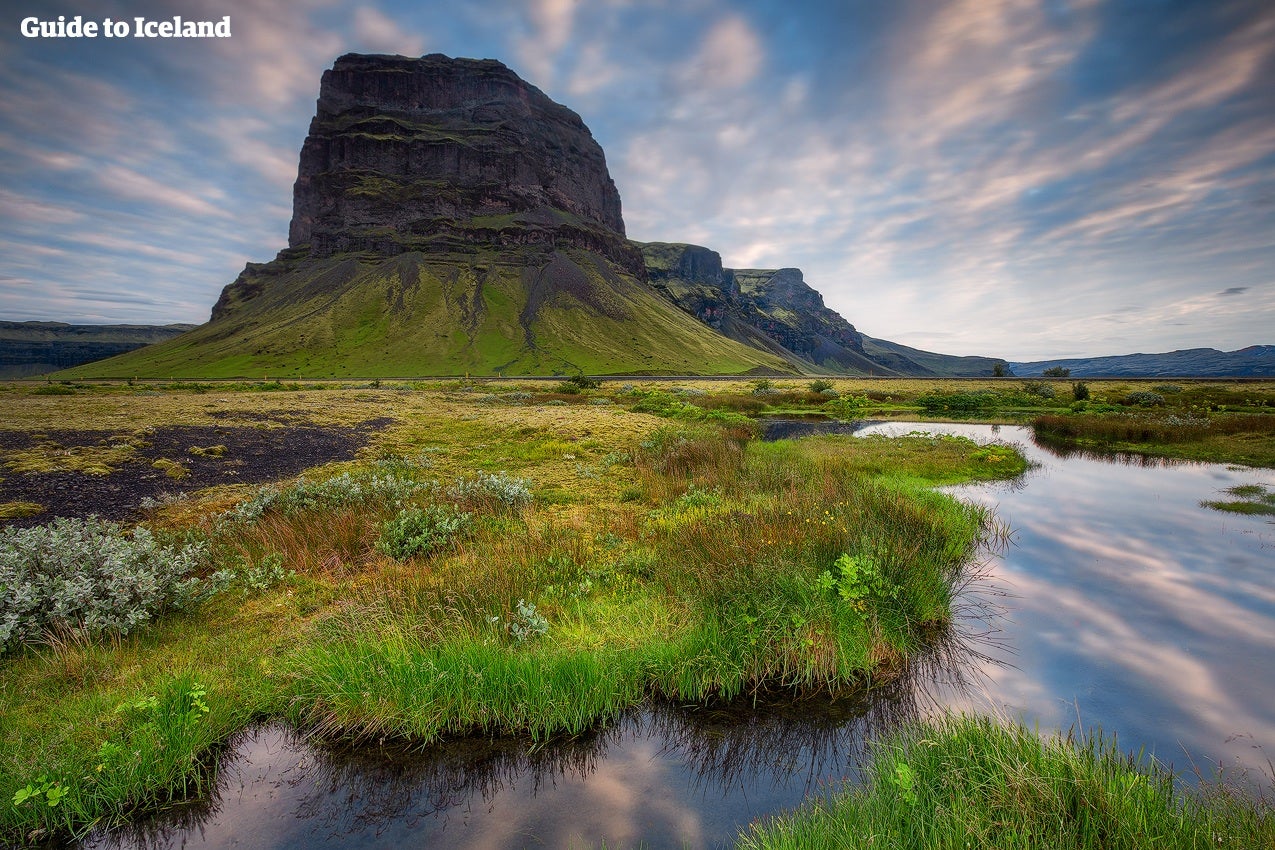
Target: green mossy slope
point(515, 311)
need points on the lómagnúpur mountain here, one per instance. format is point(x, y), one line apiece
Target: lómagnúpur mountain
point(449, 218)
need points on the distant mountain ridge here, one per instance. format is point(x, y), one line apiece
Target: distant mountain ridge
point(35, 348)
point(1255, 361)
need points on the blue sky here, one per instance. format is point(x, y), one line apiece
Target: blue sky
point(1015, 178)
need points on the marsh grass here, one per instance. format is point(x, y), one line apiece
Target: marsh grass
point(976, 782)
point(677, 560)
point(714, 591)
point(1139, 428)
point(1243, 437)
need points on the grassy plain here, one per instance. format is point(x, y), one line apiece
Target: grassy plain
point(663, 552)
point(647, 557)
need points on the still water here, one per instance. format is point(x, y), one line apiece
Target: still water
point(1120, 603)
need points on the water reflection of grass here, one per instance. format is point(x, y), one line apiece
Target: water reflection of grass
point(681, 561)
point(969, 782)
point(1253, 499)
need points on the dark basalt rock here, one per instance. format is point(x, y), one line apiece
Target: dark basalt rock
point(437, 153)
point(776, 304)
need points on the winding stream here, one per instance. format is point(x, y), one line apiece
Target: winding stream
point(1126, 605)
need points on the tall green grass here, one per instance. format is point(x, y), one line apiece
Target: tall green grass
point(1220, 438)
point(160, 750)
point(974, 782)
point(724, 581)
point(1146, 428)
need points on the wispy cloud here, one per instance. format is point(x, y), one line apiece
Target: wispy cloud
point(377, 32)
point(996, 176)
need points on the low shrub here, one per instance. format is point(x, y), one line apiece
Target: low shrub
point(345, 490)
point(494, 491)
point(1040, 389)
point(420, 531)
point(88, 575)
point(584, 382)
point(1143, 398)
point(719, 409)
point(937, 402)
point(845, 407)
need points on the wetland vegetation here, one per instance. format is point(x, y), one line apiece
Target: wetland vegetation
point(505, 557)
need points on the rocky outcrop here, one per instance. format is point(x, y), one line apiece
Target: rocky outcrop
point(776, 305)
point(439, 154)
point(777, 311)
point(792, 313)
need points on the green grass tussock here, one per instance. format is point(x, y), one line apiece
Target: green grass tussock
point(394, 683)
point(975, 782)
point(1252, 499)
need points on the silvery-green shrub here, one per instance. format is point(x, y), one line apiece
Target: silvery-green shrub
point(90, 575)
point(344, 490)
point(497, 490)
point(420, 531)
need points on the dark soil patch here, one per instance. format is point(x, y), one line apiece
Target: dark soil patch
point(252, 455)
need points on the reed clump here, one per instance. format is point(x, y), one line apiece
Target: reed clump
point(977, 782)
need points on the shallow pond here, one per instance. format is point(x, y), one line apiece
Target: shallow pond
point(1125, 604)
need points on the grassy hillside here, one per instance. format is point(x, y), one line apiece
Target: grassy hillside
point(518, 311)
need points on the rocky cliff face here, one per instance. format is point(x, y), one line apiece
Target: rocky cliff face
point(438, 153)
point(775, 310)
point(775, 304)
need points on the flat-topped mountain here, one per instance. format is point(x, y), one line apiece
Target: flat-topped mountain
point(422, 154)
point(449, 218)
